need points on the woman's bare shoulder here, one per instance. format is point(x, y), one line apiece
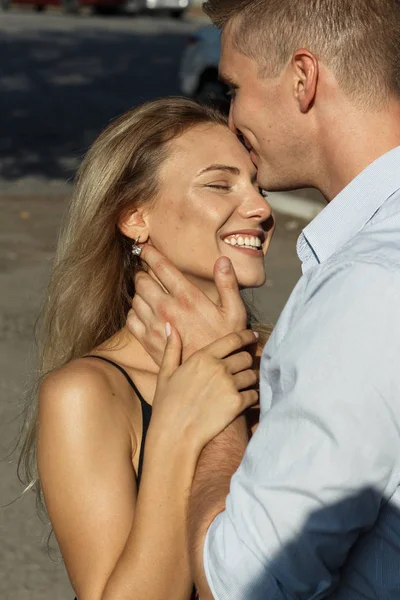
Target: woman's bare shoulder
point(80, 378)
point(84, 390)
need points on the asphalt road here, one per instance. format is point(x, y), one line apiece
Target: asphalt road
point(61, 80)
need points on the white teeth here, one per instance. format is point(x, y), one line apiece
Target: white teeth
point(249, 242)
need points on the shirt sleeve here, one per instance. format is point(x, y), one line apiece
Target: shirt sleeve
point(325, 455)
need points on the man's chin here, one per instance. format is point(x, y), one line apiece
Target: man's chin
point(270, 181)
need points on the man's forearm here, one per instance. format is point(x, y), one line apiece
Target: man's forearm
point(217, 463)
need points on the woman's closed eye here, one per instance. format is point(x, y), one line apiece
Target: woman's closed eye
point(219, 186)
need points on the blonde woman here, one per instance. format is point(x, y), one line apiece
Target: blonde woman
point(170, 174)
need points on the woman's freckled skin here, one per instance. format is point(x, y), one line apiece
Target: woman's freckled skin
point(195, 213)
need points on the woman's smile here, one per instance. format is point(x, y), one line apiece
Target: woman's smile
point(249, 241)
point(213, 195)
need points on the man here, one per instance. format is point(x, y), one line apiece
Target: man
point(313, 509)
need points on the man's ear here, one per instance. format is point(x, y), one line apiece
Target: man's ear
point(306, 70)
point(133, 225)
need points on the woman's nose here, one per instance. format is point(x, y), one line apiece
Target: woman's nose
point(255, 206)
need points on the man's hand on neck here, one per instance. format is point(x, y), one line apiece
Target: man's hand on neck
point(172, 298)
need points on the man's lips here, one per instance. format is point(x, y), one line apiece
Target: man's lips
point(246, 142)
point(253, 156)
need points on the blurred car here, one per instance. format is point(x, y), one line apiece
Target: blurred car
point(69, 6)
point(175, 8)
point(198, 73)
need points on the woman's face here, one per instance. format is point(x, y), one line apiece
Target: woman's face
point(210, 206)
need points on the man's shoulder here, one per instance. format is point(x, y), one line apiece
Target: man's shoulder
point(351, 278)
point(366, 269)
point(345, 284)
point(371, 255)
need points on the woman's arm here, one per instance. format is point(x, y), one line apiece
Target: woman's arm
point(116, 544)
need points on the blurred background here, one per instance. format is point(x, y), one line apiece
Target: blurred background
point(66, 70)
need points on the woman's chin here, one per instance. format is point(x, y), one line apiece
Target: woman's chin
point(247, 281)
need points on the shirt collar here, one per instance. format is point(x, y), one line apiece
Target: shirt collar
point(350, 210)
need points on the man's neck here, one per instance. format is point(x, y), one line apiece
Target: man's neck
point(355, 143)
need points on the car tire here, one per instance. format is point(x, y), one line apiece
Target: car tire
point(104, 11)
point(4, 4)
point(177, 13)
point(40, 8)
point(212, 91)
point(70, 7)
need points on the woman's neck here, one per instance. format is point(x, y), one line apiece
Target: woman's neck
point(127, 349)
point(208, 287)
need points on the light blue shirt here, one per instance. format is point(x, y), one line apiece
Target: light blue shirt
point(314, 509)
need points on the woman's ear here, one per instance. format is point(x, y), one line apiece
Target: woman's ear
point(133, 225)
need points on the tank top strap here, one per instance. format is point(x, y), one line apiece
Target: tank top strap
point(146, 409)
point(121, 370)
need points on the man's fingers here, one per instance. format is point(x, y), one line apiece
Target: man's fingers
point(171, 278)
point(148, 288)
point(135, 325)
point(228, 289)
point(172, 353)
point(238, 362)
point(155, 329)
point(142, 309)
point(149, 334)
point(231, 343)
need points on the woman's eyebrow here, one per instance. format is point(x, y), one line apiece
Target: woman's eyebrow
point(226, 168)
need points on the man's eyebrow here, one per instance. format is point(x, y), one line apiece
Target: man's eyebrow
point(226, 80)
point(226, 168)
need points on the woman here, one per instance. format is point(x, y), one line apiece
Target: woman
point(169, 173)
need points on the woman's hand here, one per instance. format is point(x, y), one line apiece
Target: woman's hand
point(196, 400)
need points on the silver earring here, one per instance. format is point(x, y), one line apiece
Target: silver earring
point(136, 249)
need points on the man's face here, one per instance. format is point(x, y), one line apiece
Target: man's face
point(264, 111)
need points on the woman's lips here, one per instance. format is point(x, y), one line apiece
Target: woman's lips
point(250, 251)
point(247, 240)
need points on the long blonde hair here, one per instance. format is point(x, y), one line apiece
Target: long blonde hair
point(91, 285)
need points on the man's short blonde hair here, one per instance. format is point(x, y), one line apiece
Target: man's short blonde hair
point(359, 40)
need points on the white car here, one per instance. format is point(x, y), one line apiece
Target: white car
point(175, 8)
point(198, 72)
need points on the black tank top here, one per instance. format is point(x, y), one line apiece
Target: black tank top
point(146, 416)
point(146, 410)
